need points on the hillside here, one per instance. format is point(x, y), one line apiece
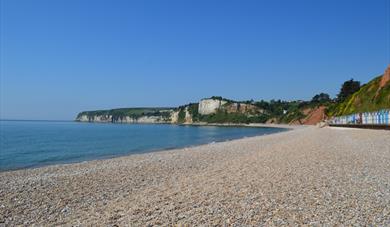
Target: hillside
point(214, 110)
point(210, 110)
point(373, 96)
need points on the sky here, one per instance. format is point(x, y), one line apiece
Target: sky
point(58, 58)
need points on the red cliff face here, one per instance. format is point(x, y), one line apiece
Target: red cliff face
point(385, 77)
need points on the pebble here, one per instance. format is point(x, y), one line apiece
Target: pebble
point(305, 176)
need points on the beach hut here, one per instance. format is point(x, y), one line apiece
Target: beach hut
point(376, 118)
point(382, 117)
point(365, 116)
point(370, 118)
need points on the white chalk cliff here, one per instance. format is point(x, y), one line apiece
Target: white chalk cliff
point(183, 115)
point(210, 106)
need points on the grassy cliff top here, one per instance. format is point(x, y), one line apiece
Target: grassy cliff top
point(370, 97)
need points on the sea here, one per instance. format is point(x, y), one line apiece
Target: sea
point(29, 144)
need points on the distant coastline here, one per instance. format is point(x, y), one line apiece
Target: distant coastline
point(214, 110)
point(36, 120)
point(353, 98)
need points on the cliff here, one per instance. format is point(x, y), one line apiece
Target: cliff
point(210, 106)
point(310, 116)
point(385, 78)
point(210, 110)
point(373, 96)
point(129, 115)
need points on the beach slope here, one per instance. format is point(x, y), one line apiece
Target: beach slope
point(304, 176)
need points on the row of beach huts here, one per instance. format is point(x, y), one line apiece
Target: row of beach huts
point(381, 117)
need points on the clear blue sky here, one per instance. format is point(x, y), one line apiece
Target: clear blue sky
point(61, 57)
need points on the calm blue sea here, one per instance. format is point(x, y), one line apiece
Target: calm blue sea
point(25, 144)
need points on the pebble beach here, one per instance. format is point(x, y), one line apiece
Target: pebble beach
point(305, 176)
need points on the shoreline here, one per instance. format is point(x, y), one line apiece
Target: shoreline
point(159, 149)
point(297, 177)
point(265, 125)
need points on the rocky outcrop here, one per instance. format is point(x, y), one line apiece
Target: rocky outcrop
point(188, 117)
point(83, 118)
point(175, 117)
point(385, 78)
point(242, 108)
point(313, 116)
point(95, 118)
point(210, 106)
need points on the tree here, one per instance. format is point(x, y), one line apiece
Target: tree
point(321, 98)
point(348, 88)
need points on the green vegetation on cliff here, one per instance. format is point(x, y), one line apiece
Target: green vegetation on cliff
point(182, 115)
point(352, 98)
point(370, 97)
point(289, 111)
point(280, 111)
point(130, 112)
point(238, 118)
point(193, 109)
